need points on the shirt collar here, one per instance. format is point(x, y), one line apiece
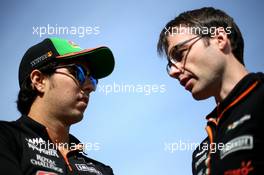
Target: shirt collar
point(239, 88)
point(29, 124)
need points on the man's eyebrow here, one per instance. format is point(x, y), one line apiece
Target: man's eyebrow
point(183, 42)
point(177, 47)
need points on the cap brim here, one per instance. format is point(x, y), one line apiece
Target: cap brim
point(100, 59)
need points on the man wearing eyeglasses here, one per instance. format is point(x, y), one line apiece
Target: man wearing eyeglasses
point(56, 78)
point(204, 49)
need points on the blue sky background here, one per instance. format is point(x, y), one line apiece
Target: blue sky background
point(132, 128)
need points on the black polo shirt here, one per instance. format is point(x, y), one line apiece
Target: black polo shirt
point(25, 148)
point(235, 141)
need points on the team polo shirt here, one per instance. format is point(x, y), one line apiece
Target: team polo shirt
point(26, 149)
point(235, 141)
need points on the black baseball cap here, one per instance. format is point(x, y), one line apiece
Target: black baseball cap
point(100, 59)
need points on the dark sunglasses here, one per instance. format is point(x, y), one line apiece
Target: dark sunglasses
point(80, 74)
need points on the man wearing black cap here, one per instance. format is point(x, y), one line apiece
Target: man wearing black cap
point(55, 77)
point(204, 49)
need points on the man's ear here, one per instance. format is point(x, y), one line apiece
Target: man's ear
point(222, 39)
point(37, 80)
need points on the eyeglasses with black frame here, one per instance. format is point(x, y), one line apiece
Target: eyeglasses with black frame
point(176, 53)
point(79, 73)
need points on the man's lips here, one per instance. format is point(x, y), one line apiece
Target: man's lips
point(185, 82)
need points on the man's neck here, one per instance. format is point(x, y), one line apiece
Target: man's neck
point(58, 130)
point(233, 74)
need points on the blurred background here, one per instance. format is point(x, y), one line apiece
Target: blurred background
point(139, 121)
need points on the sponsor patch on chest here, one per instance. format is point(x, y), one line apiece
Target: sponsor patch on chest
point(244, 142)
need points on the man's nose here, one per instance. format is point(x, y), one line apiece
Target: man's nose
point(87, 86)
point(175, 70)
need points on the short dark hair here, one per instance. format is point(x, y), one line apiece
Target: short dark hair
point(205, 17)
point(27, 94)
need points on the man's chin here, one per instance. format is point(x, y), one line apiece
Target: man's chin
point(198, 95)
point(75, 118)
point(78, 118)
